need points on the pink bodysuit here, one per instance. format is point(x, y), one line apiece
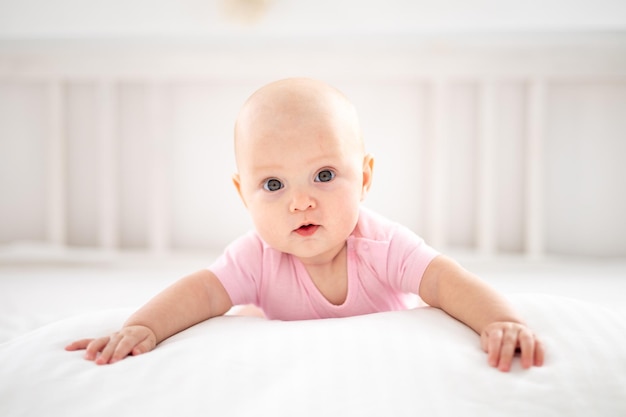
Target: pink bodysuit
point(386, 262)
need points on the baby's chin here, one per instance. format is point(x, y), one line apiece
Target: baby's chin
point(318, 254)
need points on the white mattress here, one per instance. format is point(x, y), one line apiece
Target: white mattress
point(418, 362)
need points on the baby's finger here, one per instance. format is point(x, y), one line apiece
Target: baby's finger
point(78, 345)
point(527, 347)
point(507, 350)
point(125, 347)
point(494, 345)
point(539, 353)
point(109, 349)
point(143, 347)
point(95, 346)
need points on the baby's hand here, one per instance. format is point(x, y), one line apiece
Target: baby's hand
point(501, 340)
point(131, 340)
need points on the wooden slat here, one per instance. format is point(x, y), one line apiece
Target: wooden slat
point(534, 175)
point(159, 224)
point(108, 190)
point(56, 213)
point(437, 175)
point(486, 239)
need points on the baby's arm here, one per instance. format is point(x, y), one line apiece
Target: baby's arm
point(464, 296)
point(189, 301)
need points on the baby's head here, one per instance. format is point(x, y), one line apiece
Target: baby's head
point(302, 167)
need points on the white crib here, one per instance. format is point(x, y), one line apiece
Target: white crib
point(497, 145)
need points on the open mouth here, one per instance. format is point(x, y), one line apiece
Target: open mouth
point(307, 229)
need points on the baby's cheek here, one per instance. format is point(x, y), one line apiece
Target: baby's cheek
point(270, 230)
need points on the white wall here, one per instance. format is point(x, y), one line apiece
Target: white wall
point(116, 117)
point(70, 18)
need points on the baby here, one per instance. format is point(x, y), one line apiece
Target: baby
point(315, 252)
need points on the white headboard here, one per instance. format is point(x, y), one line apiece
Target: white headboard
point(500, 144)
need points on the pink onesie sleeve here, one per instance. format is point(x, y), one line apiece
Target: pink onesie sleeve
point(402, 256)
point(240, 268)
point(408, 258)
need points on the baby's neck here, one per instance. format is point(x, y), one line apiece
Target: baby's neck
point(327, 260)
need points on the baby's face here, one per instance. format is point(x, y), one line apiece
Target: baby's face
point(302, 174)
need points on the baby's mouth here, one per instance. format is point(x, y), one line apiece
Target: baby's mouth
point(306, 229)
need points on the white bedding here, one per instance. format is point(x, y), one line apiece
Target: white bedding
point(418, 362)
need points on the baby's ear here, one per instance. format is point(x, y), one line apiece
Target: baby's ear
point(237, 182)
point(368, 172)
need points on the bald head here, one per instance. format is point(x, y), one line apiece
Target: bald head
point(300, 158)
point(295, 104)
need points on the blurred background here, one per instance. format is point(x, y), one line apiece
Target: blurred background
point(498, 127)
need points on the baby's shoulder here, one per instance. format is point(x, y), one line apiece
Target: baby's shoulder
point(374, 226)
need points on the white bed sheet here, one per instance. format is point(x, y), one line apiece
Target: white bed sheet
point(402, 363)
point(418, 362)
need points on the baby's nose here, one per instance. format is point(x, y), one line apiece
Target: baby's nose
point(301, 200)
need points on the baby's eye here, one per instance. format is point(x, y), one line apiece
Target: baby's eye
point(325, 175)
point(272, 184)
